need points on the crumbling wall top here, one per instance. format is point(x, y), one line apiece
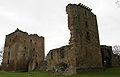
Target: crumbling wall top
point(17, 30)
point(56, 49)
point(35, 35)
point(80, 5)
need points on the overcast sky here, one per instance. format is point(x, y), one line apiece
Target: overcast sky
point(48, 18)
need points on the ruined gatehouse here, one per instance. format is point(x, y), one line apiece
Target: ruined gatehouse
point(83, 52)
point(23, 52)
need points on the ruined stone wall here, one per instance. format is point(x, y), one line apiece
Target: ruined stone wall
point(106, 55)
point(83, 52)
point(115, 60)
point(22, 50)
point(59, 60)
point(84, 37)
point(108, 58)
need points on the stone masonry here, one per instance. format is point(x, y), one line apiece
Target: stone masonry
point(109, 59)
point(58, 60)
point(23, 52)
point(84, 48)
point(84, 37)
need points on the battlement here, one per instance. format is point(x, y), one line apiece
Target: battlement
point(84, 6)
point(81, 5)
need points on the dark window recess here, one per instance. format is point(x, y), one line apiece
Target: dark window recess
point(36, 64)
point(8, 57)
point(85, 13)
point(35, 43)
point(88, 36)
point(24, 54)
point(51, 55)
point(31, 40)
point(86, 24)
point(24, 47)
point(33, 49)
point(8, 62)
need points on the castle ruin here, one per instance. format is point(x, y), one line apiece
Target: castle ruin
point(23, 52)
point(83, 52)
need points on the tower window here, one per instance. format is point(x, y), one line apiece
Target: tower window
point(24, 47)
point(86, 24)
point(88, 36)
point(85, 13)
point(8, 57)
point(24, 54)
point(8, 62)
point(51, 55)
point(36, 64)
point(33, 49)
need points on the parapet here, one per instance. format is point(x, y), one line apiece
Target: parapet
point(83, 6)
point(80, 5)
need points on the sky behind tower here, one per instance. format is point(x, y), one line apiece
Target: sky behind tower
point(49, 19)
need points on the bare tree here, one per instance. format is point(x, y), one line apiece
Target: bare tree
point(116, 49)
point(1, 53)
point(118, 3)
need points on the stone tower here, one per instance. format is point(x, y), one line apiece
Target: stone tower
point(23, 52)
point(83, 52)
point(84, 39)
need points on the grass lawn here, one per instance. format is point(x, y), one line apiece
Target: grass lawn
point(112, 72)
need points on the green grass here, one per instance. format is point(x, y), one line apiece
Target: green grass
point(112, 72)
